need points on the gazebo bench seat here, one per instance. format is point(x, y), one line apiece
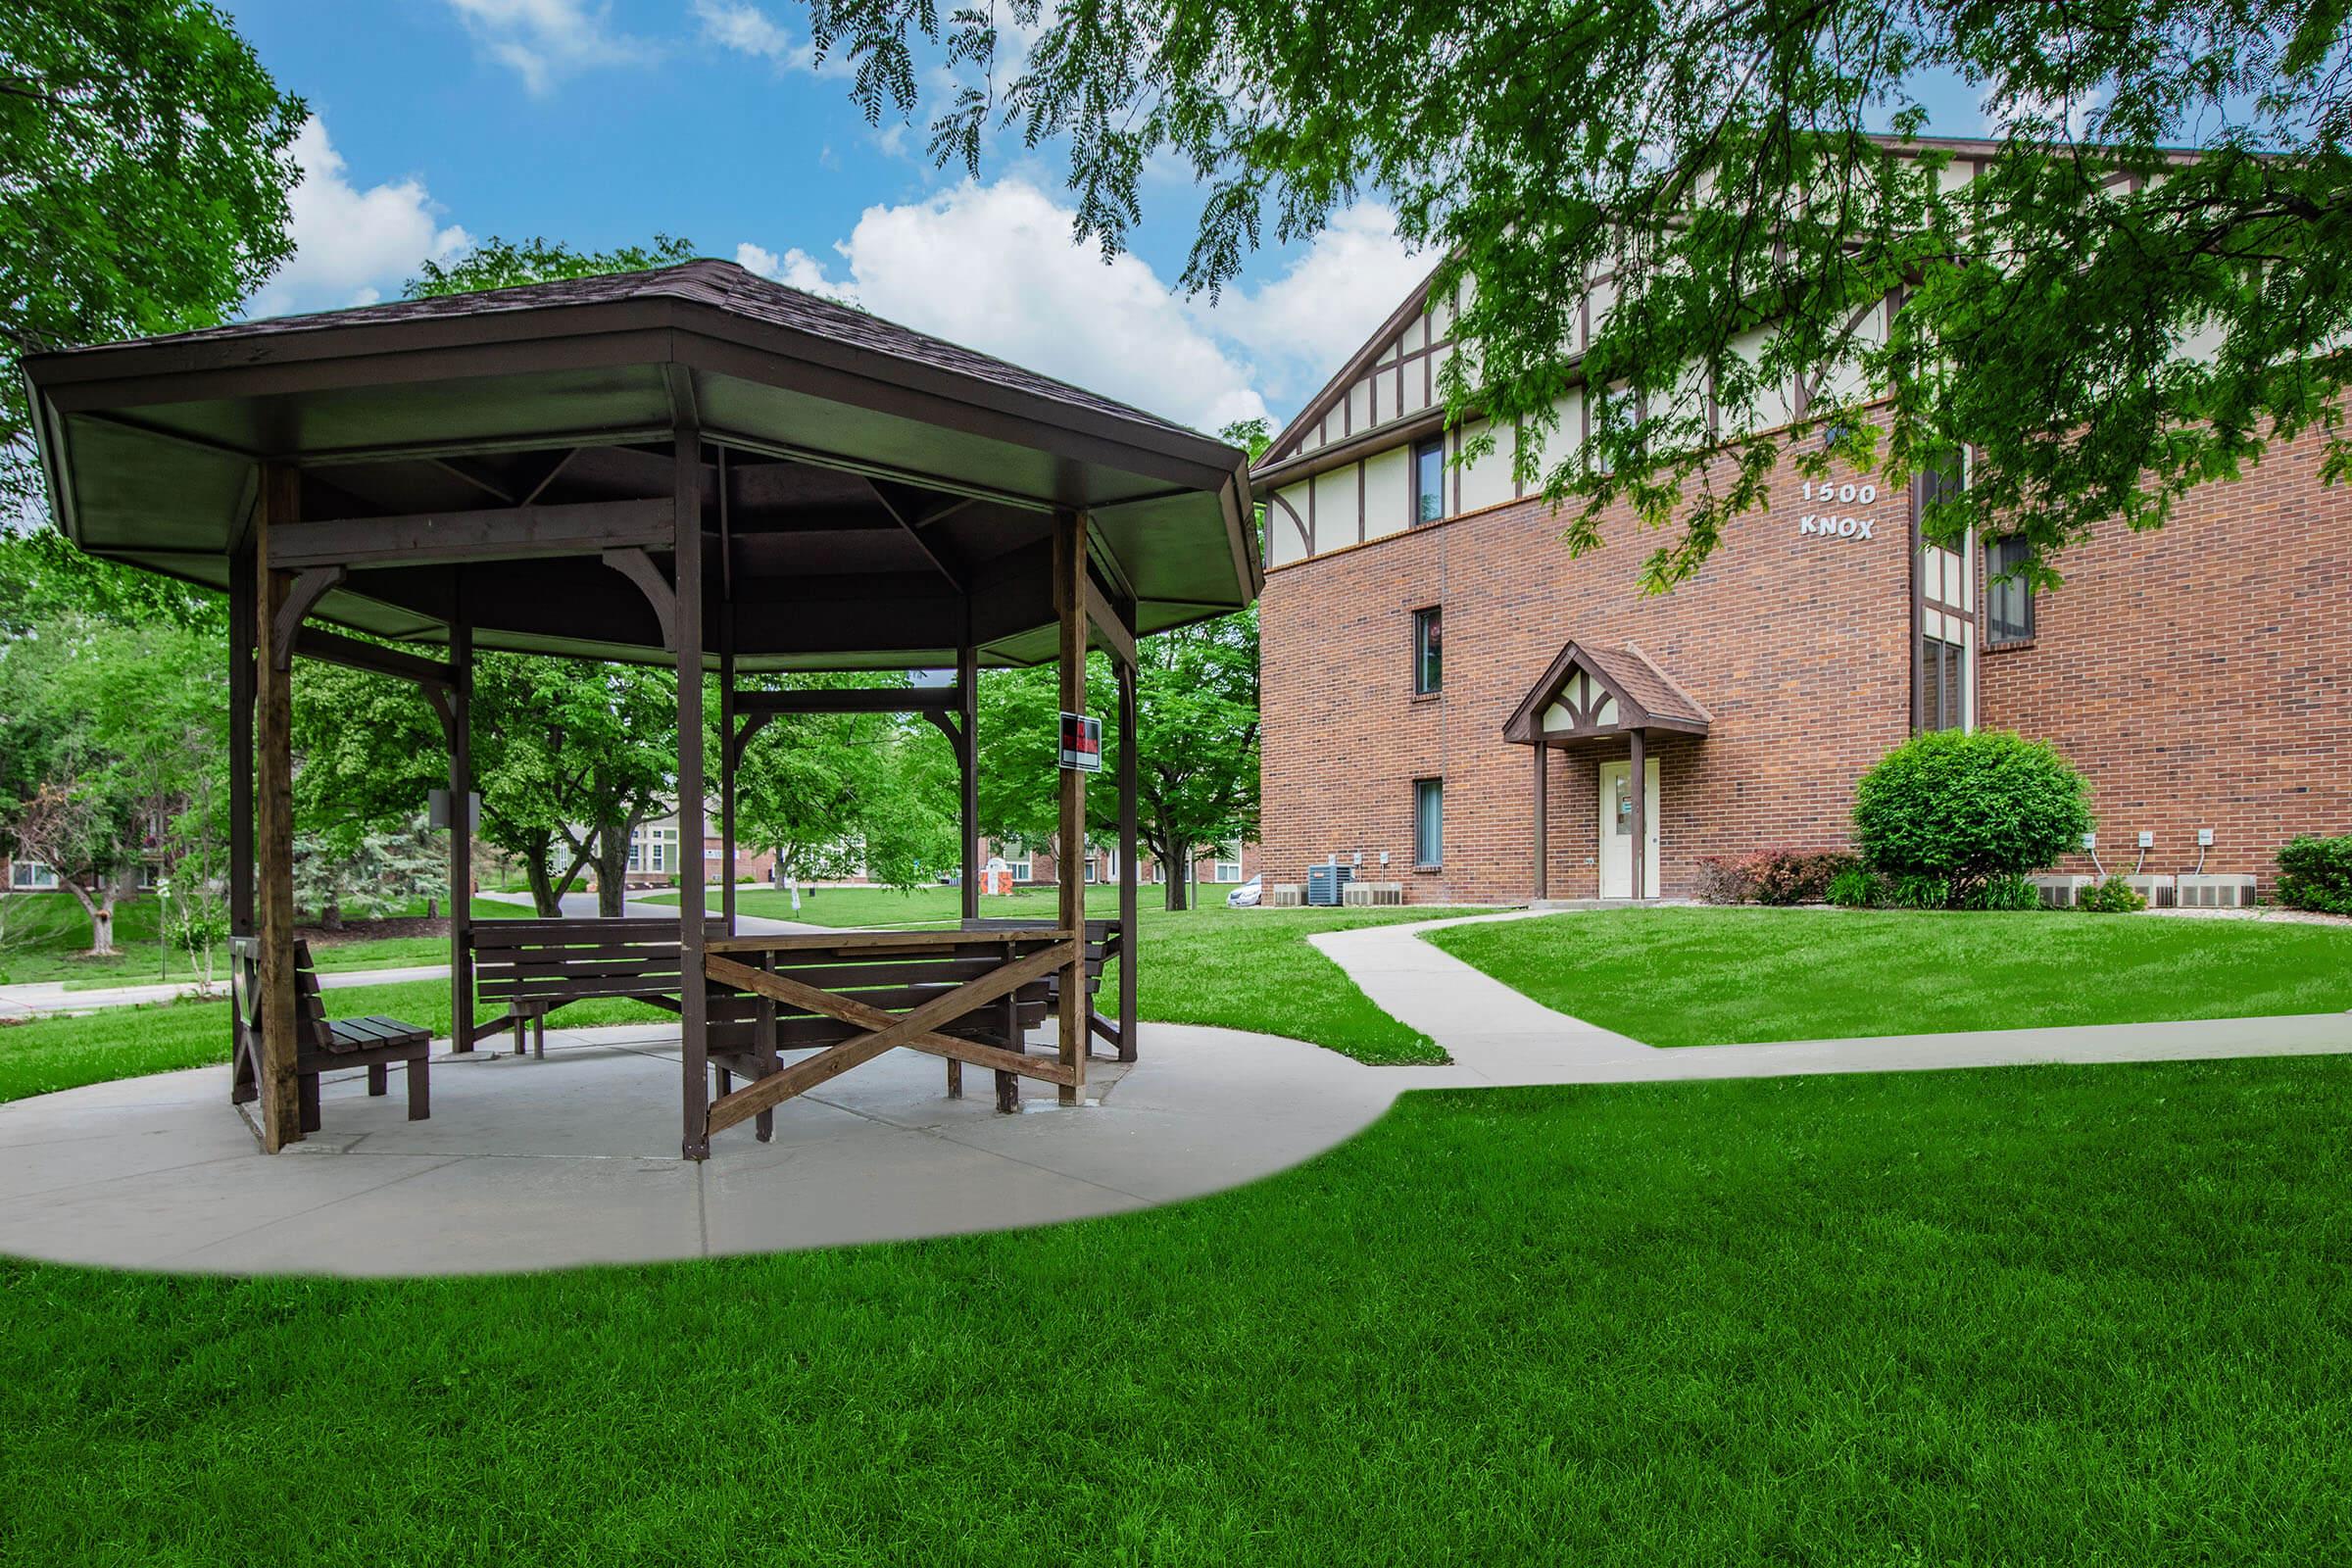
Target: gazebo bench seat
point(323, 1045)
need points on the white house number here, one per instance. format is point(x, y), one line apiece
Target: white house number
point(1830, 524)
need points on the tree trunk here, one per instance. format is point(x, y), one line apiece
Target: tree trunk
point(1177, 866)
point(101, 910)
point(545, 897)
point(612, 869)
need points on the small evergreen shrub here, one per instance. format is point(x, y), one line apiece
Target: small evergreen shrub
point(2315, 873)
point(1964, 810)
point(1855, 888)
point(2115, 895)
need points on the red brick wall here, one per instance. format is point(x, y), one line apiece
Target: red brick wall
point(2201, 674)
point(1798, 646)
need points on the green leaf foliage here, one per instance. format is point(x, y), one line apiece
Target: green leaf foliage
point(1723, 167)
point(2315, 873)
point(1972, 812)
point(496, 263)
point(1197, 778)
point(145, 158)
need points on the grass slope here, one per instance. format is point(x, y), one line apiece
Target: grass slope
point(1701, 977)
point(47, 938)
point(2056, 1314)
point(51, 1054)
point(1239, 969)
point(932, 905)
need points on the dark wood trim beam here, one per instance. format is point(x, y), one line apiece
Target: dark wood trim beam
point(903, 512)
point(308, 588)
point(333, 648)
point(859, 700)
point(1111, 627)
point(503, 533)
point(638, 567)
point(457, 469)
point(752, 725)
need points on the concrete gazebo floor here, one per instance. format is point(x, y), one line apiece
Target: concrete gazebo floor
point(529, 1163)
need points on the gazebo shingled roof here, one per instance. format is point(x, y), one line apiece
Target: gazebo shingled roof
point(877, 478)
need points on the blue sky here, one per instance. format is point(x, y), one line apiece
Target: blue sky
point(438, 121)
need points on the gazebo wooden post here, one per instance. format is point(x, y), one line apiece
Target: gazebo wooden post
point(1542, 821)
point(244, 627)
point(1128, 934)
point(967, 768)
point(1640, 789)
point(274, 842)
point(460, 817)
point(1069, 602)
point(726, 767)
point(694, 999)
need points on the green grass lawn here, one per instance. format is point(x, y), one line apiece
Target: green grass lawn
point(931, 906)
point(47, 938)
point(1241, 970)
point(1701, 977)
point(2048, 1315)
point(50, 1054)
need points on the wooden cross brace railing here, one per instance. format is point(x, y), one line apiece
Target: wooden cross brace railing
point(916, 1028)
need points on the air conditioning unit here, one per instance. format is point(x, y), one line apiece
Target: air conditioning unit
point(2215, 890)
point(2061, 890)
point(1325, 882)
point(2157, 890)
point(1363, 895)
point(1283, 896)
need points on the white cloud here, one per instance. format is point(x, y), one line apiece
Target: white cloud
point(994, 268)
point(544, 41)
point(749, 30)
point(1300, 326)
point(350, 244)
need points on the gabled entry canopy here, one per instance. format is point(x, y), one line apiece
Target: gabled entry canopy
point(870, 497)
point(1592, 694)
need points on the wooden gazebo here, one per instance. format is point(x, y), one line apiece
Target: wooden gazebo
point(691, 465)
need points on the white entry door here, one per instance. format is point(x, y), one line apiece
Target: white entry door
point(1617, 830)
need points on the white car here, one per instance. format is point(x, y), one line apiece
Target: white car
point(1245, 896)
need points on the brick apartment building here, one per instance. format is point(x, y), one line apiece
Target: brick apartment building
point(1424, 627)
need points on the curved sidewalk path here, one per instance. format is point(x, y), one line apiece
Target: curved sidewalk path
point(1496, 1035)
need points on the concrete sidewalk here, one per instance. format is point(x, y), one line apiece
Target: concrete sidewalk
point(1496, 1035)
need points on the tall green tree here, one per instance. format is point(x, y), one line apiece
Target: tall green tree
point(145, 158)
point(831, 794)
point(113, 750)
point(2105, 324)
point(1197, 773)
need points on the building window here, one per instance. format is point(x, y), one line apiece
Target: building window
point(1429, 481)
point(1943, 684)
point(1429, 651)
point(2008, 598)
point(29, 876)
point(1020, 870)
point(1429, 815)
point(1227, 867)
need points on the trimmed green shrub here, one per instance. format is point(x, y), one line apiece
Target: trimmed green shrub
point(2315, 873)
point(2115, 895)
point(1855, 888)
point(1918, 893)
point(1965, 810)
point(2006, 891)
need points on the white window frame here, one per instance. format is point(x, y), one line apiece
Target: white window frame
point(31, 876)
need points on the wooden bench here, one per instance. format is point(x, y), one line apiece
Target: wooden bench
point(1105, 941)
point(883, 974)
point(535, 966)
point(321, 1044)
